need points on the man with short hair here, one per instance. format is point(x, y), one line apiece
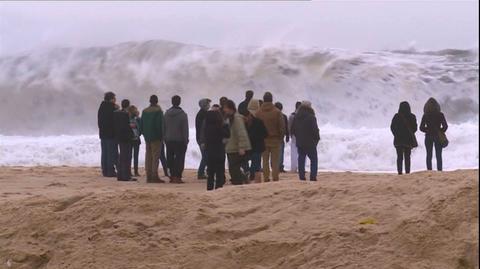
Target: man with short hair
point(109, 147)
point(293, 139)
point(275, 124)
point(287, 137)
point(152, 130)
point(242, 107)
point(176, 139)
point(123, 134)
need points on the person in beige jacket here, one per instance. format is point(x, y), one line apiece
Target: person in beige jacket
point(237, 145)
point(273, 119)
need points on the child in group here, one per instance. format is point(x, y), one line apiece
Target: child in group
point(135, 125)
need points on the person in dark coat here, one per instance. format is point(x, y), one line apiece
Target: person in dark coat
point(403, 127)
point(123, 134)
point(257, 132)
point(305, 129)
point(199, 120)
point(433, 122)
point(243, 106)
point(214, 133)
point(286, 137)
point(109, 147)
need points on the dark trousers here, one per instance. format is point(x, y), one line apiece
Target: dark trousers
point(203, 162)
point(109, 157)
point(163, 160)
point(124, 162)
point(176, 157)
point(312, 155)
point(403, 153)
point(282, 153)
point(429, 143)
point(215, 168)
point(235, 162)
point(136, 152)
point(256, 163)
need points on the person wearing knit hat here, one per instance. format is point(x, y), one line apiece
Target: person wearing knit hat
point(257, 132)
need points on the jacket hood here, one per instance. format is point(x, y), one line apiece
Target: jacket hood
point(204, 103)
point(174, 112)
point(267, 106)
point(304, 111)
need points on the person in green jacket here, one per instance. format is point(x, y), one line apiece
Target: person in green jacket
point(152, 130)
point(237, 145)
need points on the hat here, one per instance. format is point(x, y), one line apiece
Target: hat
point(253, 106)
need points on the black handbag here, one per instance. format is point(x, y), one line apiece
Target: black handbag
point(442, 138)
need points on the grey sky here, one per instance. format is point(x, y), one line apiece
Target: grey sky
point(357, 25)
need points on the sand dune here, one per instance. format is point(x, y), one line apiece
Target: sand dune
point(61, 217)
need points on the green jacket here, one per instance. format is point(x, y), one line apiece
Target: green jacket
point(238, 136)
point(152, 123)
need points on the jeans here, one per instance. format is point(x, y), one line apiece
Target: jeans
point(176, 157)
point(152, 155)
point(203, 163)
point(430, 141)
point(136, 152)
point(401, 153)
point(282, 152)
point(109, 157)
point(215, 168)
point(293, 154)
point(312, 155)
point(256, 165)
point(235, 161)
point(124, 162)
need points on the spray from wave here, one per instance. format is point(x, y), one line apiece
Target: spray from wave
point(57, 92)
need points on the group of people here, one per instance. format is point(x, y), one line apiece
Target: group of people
point(251, 138)
point(433, 124)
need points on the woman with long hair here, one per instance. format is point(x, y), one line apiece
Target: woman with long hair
point(433, 122)
point(403, 127)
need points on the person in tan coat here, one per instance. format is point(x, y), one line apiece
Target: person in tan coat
point(273, 119)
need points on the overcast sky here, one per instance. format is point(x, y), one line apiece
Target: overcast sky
point(356, 25)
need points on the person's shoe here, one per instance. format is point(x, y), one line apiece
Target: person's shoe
point(176, 180)
point(133, 179)
point(258, 177)
point(156, 181)
point(201, 177)
point(313, 179)
point(282, 170)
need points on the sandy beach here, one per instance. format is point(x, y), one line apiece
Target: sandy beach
point(70, 217)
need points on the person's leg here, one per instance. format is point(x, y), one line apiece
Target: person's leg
point(220, 170)
point(123, 172)
point(128, 160)
point(429, 148)
point(148, 160)
point(312, 155)
point(210, 171)
point(170, 158)
point(163, 159)
point(136, 152)
point(112, 157)
point(266, 164)
point(438, 155)
point(276, 161)
point(280, 162)
point(182, 150)
point(293, 155)
point(103, 157)
point(407, 152)
point(301, 163)
point(234, 163)
point(399, 159)
point(203, 163)
point(156, 147)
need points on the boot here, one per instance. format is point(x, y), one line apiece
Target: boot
point(136, 172)
point(258, 177)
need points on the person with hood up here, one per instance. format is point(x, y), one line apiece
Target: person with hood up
point(176, 139)
point(199, 121)
point(433, 122)
point(257, 132)
point(293, 143)
point(212, 139)
point(109, 147)
point(237, 145)
point(152, 124)
point(273, 119)
point(403, 127)
point(123, 134)
point(305, 129)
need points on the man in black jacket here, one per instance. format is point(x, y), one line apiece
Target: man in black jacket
point(105, 127)
point(123, 134)
point(305, 130)
point(242, 107)
point(286, 139)
point(199, 122)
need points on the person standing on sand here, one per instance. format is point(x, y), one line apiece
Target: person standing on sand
point(135, 125)
point(403, 127)
point(275, 124)
point(242, 107)
point(152, 129)
point(434, 125)
point(305, 129)
point(293, 143)
point(199, 120)
point(237, 145)
point(109, 147)
point(212, 139)
point(176, 139)
point(257, 132)
point(286, 138)
point(123, 135)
